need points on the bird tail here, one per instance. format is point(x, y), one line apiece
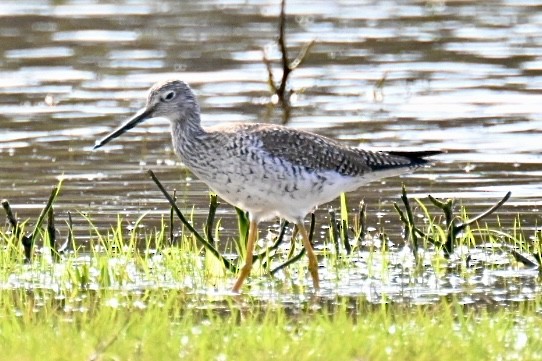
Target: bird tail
point(415, 154)
point(416, 158)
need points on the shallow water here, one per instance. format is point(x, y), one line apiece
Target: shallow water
point(487, 278)
point(462, 76)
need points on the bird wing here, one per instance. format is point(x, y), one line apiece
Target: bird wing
point(317, 152)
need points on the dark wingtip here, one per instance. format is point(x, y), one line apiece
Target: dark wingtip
point(417, 154)
point(397, 159)
point(416, 158)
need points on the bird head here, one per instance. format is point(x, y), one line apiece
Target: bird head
point(171, 99)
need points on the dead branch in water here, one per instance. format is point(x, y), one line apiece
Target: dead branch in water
point(280, 90)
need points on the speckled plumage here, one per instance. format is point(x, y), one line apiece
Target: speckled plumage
point(268, 170)
point(276, 171)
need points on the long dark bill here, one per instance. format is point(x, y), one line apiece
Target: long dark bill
point(139, 117)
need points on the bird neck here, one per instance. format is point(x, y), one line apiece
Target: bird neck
point(186, 132)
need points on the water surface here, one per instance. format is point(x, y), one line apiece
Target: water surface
point(462, 76)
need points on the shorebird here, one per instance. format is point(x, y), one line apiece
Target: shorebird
point(267, 170)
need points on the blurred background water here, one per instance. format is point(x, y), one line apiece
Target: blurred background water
point(462, 76)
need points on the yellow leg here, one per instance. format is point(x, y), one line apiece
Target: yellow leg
point(245, 271)
point(313, 262)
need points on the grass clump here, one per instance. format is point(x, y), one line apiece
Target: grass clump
point(173, 324)
point(120, 302)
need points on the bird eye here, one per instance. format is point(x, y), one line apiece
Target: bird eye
point(169, 96)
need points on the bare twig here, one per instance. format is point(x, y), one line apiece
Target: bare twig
point(11, 218)
point(300, 58)
point(454, 228)
point(408, 220)
point(243, 224)
point(227, 264)
point(44, 212)
point(171, 226)
point(362, 214)
point(25, 240)
point(334, 232)
point(28, 241)
point(489, 211)
point(270, 77)
point(209, 224)
point(51, 232)
point(298, 256)
point(451, 227)
point(283, 95)
point(344, 235)
point(521, 258)
point(275, 245)
point(419, 232)
point(286, 70)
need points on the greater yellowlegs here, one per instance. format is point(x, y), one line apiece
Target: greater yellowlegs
point(267, 170)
